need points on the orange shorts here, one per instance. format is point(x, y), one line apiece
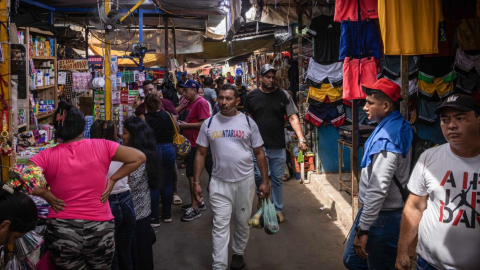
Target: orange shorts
point(368, 75)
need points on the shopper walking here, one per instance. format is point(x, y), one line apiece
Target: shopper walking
point(80, 229)
point(18, 216)
point(120, 201)
point(138, 135)
point(231, 136)
point(373, 239)
point(268, 105)
point(443, 207)
point(163, 125)
point(209, 93)
point(196, 112)
point(165, 104)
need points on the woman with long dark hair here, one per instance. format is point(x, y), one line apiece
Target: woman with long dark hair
point(137, 134)
point(18, 215)
point(162, 124)
point(120, 201)
point(80, 226)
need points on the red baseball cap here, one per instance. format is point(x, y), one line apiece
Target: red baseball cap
point(388, 87)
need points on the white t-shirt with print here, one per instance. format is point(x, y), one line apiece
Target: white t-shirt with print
point(449, 232)
point(231, 140)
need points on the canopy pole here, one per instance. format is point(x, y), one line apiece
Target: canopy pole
point(165, 23)
point(174, 42)
point(108, 77)
point(404, 79)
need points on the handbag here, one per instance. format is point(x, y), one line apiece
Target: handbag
point(180, 143)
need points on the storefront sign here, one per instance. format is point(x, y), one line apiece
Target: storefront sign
point(69, 64)
point(95, 60)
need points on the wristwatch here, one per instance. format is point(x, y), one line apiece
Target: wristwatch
point(360, 232)
point(302, 140)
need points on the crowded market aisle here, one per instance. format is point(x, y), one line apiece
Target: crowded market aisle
point(308, 239)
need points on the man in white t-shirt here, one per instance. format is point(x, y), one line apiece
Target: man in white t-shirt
point(231, 136)
point(444, 204)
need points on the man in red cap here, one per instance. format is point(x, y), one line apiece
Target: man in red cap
point(373, 240)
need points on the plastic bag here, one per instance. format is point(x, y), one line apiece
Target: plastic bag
point(14, 264)
point(270, 217)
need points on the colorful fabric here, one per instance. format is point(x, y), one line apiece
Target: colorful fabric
point(348, 10)
point(394, 134)
point(436, 67)
point(439, 86)
point(360, 39)
point(318, 73)
point(409, 27)
point(390, 67)
point(319, 115)
point(325, 92)
point(465, 62)
point(351, 86)
point(77, 174)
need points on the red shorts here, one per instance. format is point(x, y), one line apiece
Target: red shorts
point(368, 75)
point(347, 9)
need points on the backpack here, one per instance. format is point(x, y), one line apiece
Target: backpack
point(246, 116)
point(419, 146)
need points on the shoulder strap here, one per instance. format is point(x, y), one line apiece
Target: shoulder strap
point(248, 120)
point(210, 122)
point(173, 122)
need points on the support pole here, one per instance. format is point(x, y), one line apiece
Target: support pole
point(354, 159)
point(404, 79)
point(167, 59)
point(108, 78)
point(86, 42)
point(4, 72)
point(174, 42)
point(140, 37)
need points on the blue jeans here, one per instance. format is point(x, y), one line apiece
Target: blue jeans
point(276, 159)
point(124, 213)
point(168, 156)
point(424, 265)
point(381, 245)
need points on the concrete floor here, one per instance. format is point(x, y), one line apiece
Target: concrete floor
point(310, 238)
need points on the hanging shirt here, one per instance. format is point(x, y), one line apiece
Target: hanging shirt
point(449, 231)
point(409, 27)
point(348, 10)
point(326, 37)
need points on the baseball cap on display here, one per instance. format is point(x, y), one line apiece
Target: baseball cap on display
point(391, 89)
point(462, 103)
point(266, 68)
point(190, 84)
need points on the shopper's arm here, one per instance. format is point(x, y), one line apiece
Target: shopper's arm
point(264, 189)
point(412, 214)
point(184, 125)
point(131, 159)
point(198, 166)
point(55, 203)
point(297, 127)
point(180, 108)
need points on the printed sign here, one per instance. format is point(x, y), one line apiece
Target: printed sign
point(69, 64)
point(95, 60)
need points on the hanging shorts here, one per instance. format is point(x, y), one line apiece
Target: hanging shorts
point(439, 86)
point(355, 41)
point(320, 114)
point(468, 34)
point(436, 67)
point(368, 75)
point(361, 114)
point(326, 91)
point(426, 111)
point(465, 62)
point(469, 82)
point(348, 10)
point(318, 73)
point(390, 67)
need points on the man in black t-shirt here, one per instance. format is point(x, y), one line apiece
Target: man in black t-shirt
point(268, 105)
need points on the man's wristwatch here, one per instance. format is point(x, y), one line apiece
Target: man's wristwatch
point(360, 232)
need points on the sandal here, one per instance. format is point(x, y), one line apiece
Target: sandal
point(177, 200)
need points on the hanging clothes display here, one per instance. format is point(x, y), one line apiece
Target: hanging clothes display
point(390, 69)
point(325, 92)
point(326, 37)
point(409, 27)
point(351, 75)
point(321, 113)
point(317, 73)
point(464, 62)
point(367, 33)
point(348, 10)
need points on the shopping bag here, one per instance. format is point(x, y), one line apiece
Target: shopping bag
point(270, 217)
point(46, 262)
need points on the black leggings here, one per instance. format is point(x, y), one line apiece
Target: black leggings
point(190, 160)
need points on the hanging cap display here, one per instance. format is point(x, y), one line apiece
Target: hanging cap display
point(266, 68)
point(462, 103)
point(391, 89)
